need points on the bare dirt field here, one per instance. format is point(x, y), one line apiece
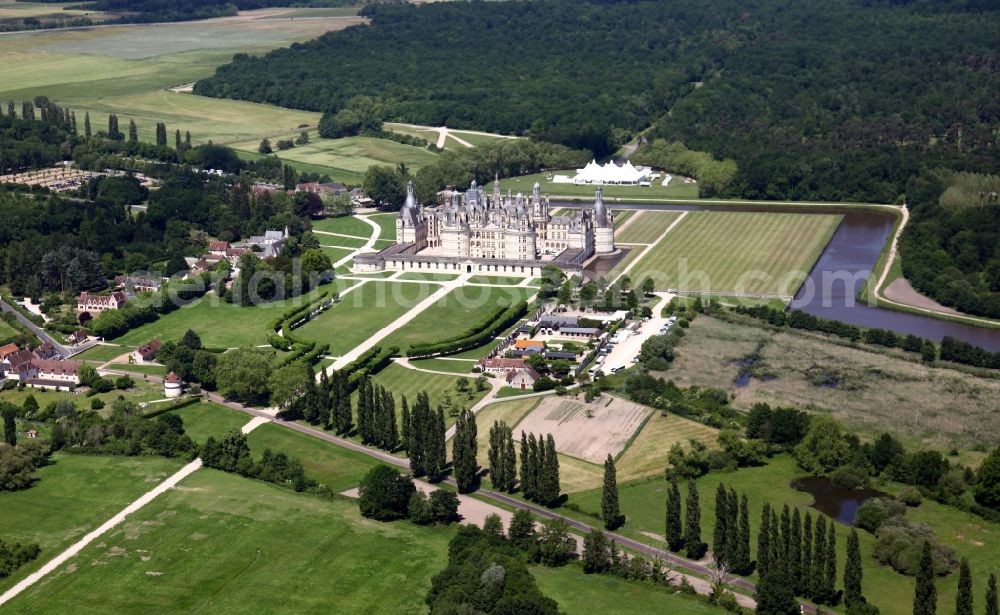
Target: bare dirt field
point(900, 290)
point(871, 391)
point(586, 431)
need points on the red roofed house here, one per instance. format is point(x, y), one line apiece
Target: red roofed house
point(6, 351)
point(15, 360)
point(100, 303)
point(46, 351)
point(172, 386)
point(146, 352)
point(218, 248)
point(523, 378)
point(79, 336)
point(500, 365)
point(529, 344)
point(49, 374)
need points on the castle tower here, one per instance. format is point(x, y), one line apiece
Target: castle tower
point(410, 224)
point(604, 230)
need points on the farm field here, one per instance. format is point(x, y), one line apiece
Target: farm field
point(875, 391)
point(581, 594)
point(647, 226)
point(454, 314)
point(647, 455)
point(739, 252)
point(642, 502)
point(363, 312)
point(586, 431)
point(75, 494)
point(14, 10)
point(129, 71)
point(349, 157)
point(224, 543)
point(585, 193)
point(219, 324)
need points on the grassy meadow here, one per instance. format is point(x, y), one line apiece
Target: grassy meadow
point(740, 252)
point(223, 543)
point(74, 494)
point(206, 419)
point(345, 225)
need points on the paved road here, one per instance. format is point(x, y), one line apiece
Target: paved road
point(41, 333)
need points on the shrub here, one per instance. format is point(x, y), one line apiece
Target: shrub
point(900, 544)
point(909, 495)
point(384, 494)
point(874, 512)
point(96, 404)
point(850, 478)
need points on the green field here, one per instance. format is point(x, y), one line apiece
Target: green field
point(445, 365)
point(363, 312)
point(474, 138)
point(387, 222)
point(75, 494)
point(583, 594)
point(585, 193)
point(350, 157)
point(454, 314)
point(15, 10)
point(336, 467)
point(206, 419)
point(103, 352)
point(417, 276)
point(336, 241)
point(221, 543)
point(646, 228)
point(738, 252)
point(347, 225)
point(6, 330)
point(408, 382)
point(152, 370)
point(220, 324)
point(496, 279)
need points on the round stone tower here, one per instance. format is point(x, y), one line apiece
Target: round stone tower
point(604, 229)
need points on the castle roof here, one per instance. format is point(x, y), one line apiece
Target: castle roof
point(600, 212)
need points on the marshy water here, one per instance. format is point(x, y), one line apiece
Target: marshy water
point(833, 501)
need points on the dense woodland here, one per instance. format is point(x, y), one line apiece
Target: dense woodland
point(811, 100)
point(951, 248)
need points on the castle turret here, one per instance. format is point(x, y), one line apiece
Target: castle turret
point(410, 225)
point(604, 231)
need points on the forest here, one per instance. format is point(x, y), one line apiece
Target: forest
point(951, 248)
point(812, 100)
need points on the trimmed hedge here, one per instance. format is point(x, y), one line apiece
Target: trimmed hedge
point(476, 337)
point(369, 364)
point(188, 401)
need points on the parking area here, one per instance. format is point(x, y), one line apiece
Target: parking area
point(627, 342)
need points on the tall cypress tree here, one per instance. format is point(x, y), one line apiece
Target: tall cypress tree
point(509, 460)
point(777, 559)
point(675, 524)
point(494, 455)
point(436, 451)
point(10, 109)
point(721, 533)
point(610, 510)
point(161, 134)
point(420, 425)
point(925, 594)
point(187, 139)
point(764, 541)
point(743, 563)
point(795, 550)
point(526, 484)
point(9, 423)
point(991, 596)
point(552, 487)
point(852, 570)
point(732, 528)
point(464, 450)
point(818, 559)
point(344, 399)
point(133, 132)
point(963, 599)
point(786, 534)
point(806, 557)
point(405, 420)
point(692, 524)
point(830, 566)
point(391, 429)
point(177, 139)
point(72, 122)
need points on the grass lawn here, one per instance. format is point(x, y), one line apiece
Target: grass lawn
point(474, 138)
point(454, 314)
point(349, 157)
point(207, 419)
point(224, 544)
point(582, 594)
point(506, 392)
point(74, 495)
point(387, 224)
point(335, 253)
point(496, 279)
point(585, 193)
point(426, 277)
point(647, 226)
point(363, 312)
point(336, 467)
point(341, 242)
point(348, 225)
point(439, 387)
point(739, 252)
point(103, 353)
point(152, 370)
point(219, 324)
point(6, 330)
point(621, 215)
point(445, 365)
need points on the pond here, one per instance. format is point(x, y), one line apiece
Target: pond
point(833, 501)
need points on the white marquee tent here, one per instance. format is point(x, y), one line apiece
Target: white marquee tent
point(610, 173)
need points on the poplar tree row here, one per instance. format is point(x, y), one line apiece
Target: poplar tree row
point(377, 416)
point(502, 458)
point(424, 438)
point(539, 469)
point(805, 553)
point(331, 405)
point(731, 537)
point(684, 533)
point(925, 593)
point(465, 468)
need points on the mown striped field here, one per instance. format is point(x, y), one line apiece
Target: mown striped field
point(646, 227)
point(737, 252)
